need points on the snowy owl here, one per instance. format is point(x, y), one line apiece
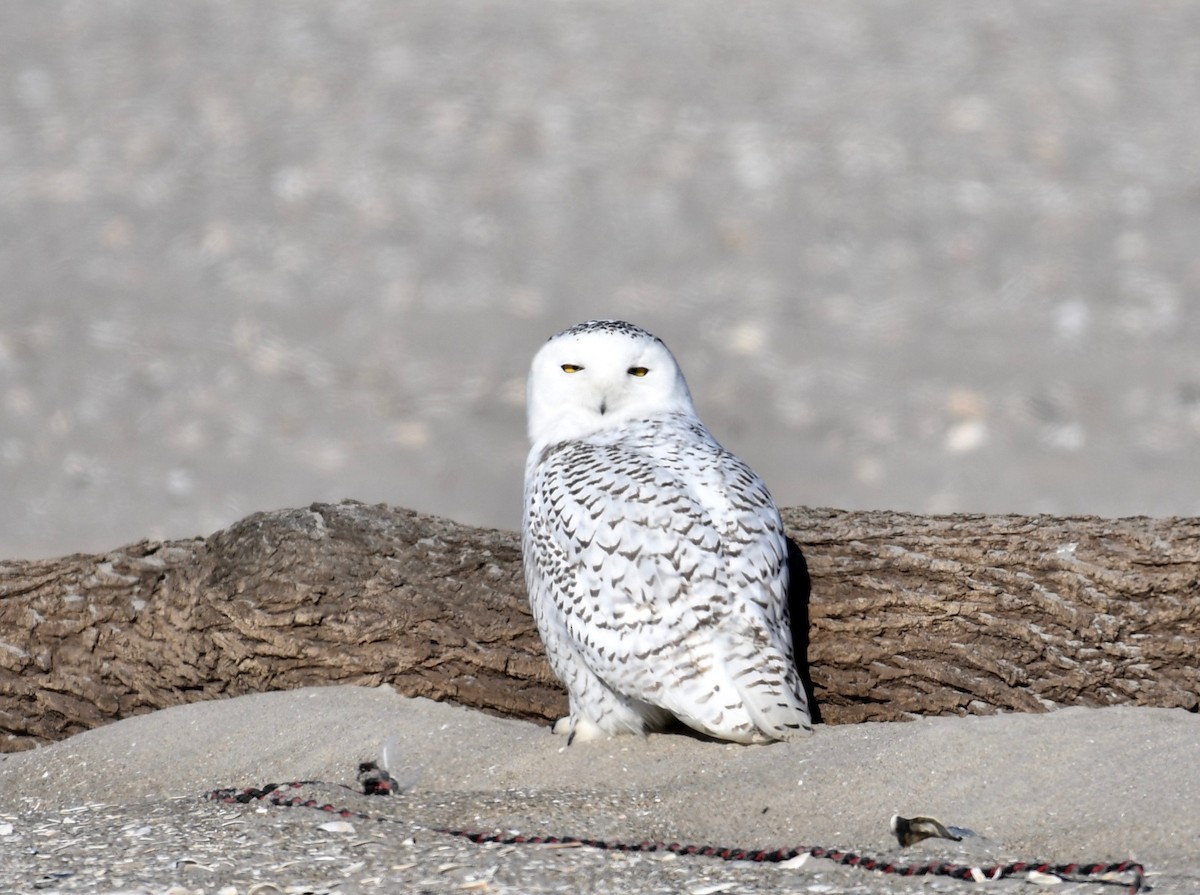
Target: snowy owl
point(656, 560)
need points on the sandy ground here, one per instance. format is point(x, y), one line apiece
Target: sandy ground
point(119, 808)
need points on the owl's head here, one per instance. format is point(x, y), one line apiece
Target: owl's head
point(601, 374)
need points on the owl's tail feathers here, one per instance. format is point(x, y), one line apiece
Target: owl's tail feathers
point(755, 722)
point(779, 714)
point(744, 699)
point(774, 701)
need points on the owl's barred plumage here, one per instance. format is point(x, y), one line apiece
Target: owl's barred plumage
point(656, 560)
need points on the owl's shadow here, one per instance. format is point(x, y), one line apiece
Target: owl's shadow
point(799, 595)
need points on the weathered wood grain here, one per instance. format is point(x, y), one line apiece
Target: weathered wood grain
point(906, 615)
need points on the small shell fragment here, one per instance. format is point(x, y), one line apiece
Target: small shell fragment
point(911, 830)
point(1044, 879)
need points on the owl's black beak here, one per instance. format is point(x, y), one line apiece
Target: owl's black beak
point(603, 407)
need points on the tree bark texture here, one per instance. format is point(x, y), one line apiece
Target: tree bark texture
point(894, 615)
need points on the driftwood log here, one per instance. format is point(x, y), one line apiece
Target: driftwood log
point(896, 615)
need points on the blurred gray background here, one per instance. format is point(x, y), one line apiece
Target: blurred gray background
point(935, 256)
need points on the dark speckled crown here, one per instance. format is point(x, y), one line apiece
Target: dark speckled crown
point(617, 327)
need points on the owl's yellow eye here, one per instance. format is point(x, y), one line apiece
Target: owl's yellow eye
point(637, 371)
point(571, 368)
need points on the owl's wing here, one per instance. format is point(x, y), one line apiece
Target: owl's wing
point(666, 564)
